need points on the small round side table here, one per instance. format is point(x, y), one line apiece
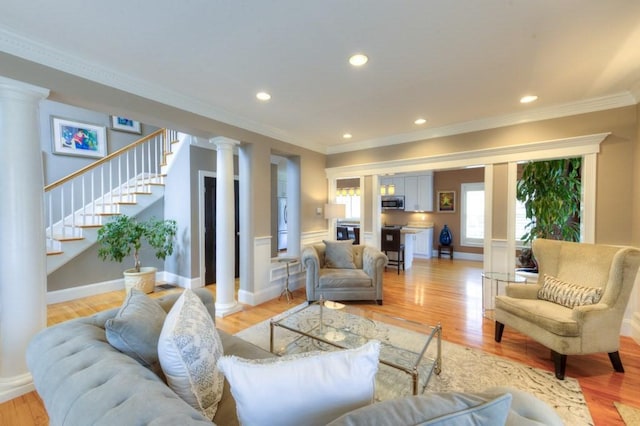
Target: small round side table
point(285, 291)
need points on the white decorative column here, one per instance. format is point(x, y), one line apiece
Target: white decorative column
point(225, 228)
point(23, 264)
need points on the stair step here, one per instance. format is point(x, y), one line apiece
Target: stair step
point(54, 253)
point(67, 238)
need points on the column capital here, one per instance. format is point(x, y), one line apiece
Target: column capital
point(17, 89)
point(224, 142)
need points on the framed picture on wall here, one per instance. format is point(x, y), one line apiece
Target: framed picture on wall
point(77, 138)
point(446, 201)
point(124, 124)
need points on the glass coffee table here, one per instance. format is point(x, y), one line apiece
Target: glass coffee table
point(406, 345)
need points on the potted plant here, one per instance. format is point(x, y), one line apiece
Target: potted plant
point(125, 235)
point(551, 192)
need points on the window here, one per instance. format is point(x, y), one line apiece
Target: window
point(521, 222)
point(472, 214)
point(352, 203)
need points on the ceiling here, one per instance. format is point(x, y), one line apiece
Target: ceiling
point(461, 65)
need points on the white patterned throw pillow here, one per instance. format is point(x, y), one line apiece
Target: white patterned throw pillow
point(312, 388)
point(189, 348)
point(567, 294)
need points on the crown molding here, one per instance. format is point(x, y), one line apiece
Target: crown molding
point(564, 110)
point(22, 47)
point(537, 150)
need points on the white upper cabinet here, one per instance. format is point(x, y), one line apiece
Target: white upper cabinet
point(418, 193)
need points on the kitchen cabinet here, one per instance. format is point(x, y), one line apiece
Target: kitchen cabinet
point(423, 246)
point(398, 182)
point(418, 193)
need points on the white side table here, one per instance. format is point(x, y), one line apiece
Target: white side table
point(285, 291)
point(494, 279)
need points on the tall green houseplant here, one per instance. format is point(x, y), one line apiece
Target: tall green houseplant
point(123, 235)
point(550, 191)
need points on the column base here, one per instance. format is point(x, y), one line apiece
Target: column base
point(13, 387)
point(225, 309)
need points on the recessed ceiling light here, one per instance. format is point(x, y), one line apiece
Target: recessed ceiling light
point(420, 121)
point(528, 98)
point(358, 60)
point(347, 136)
point(263, 96)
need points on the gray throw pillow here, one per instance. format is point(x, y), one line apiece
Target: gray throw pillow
point(136, 328)
point(442, 409)
point(339, 254)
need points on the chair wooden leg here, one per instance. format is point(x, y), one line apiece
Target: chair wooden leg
point(560, 363)
point(616, 361)
point(498, 332)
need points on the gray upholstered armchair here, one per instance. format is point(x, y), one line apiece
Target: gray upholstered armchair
point(339, 270)
point(578, 304)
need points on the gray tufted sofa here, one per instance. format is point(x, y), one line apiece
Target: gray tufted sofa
point(83, 380)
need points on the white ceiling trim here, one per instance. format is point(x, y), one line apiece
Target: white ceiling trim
point(565, 110)
point(540, 150)
point(25, 48)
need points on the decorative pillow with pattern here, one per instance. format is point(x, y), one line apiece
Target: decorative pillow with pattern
point(189, 348)
point(311, 388)
point(567, 294)
point(339, 254)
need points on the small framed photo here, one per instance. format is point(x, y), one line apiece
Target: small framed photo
point(77, 138)
point(124, 124)
point(446, 201)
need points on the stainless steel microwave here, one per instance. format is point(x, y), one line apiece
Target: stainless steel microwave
point(392, 202)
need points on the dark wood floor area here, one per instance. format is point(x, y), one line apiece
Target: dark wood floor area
point(436, 290)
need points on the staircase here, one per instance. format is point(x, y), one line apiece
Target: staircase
point(126, 181)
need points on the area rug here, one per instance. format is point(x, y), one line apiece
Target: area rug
point(463, 369)
point(630, 415)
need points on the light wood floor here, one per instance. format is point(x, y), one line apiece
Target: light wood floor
point(436, 290)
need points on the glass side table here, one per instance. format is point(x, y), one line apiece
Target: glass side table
point(494, 280)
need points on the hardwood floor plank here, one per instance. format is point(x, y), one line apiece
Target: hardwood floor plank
point(435, 290)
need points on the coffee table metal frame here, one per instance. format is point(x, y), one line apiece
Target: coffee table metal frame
point(321, 332)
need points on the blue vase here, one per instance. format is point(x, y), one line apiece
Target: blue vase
point(445, 236)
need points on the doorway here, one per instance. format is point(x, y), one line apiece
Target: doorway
point(210, 229)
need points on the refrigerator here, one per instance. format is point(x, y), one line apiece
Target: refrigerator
point(282, 223)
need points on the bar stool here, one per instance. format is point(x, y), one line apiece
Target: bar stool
point(391, 242)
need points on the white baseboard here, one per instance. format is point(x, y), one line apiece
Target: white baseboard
point(64, 295)
point(15, 386)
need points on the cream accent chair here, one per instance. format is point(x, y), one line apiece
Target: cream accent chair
point(583, 329)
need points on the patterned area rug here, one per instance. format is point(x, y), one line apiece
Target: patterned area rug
point(463, 369)
point(630, 415)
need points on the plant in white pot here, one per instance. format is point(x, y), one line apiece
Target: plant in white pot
point(125, 235)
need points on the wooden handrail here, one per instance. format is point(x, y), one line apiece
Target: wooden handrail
point(103, 160)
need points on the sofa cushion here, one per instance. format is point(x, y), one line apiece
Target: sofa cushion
point(445, 409)
point(555, 318)
point(189, 348)
point(136, 327)
point(339, 278)
point(339, 254)
point(312, 388)
point(568, 294)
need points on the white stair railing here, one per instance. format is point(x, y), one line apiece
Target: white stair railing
point(84, 198)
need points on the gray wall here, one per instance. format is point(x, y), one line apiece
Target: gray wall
point(57, 166)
